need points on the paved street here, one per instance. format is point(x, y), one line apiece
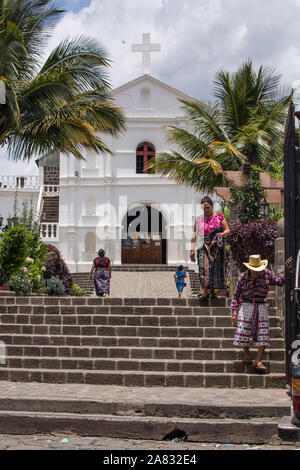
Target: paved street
point(74, 442)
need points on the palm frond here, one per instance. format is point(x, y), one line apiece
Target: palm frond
point(204, 174)
point(206, 120)
point(189, 145)
point(12, 49)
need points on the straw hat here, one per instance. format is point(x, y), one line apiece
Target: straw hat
point(256, 264)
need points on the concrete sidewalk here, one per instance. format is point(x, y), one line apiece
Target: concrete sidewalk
point(145, 395)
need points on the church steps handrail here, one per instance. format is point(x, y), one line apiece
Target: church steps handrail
point(39, 204)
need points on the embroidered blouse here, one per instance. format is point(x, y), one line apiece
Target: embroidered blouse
point(248, 288)
point(101, 262)
point(206, 225)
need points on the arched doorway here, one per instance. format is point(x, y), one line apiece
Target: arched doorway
point(144, 236)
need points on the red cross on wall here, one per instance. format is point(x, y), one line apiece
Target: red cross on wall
point(147, 154)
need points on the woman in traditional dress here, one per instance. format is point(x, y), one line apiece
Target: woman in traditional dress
point(102, 276)
point(211, 267)
point(250, 310)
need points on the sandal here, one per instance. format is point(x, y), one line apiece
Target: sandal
point(259, 366)
point(203, 297)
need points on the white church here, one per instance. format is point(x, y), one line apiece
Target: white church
point(111, 202)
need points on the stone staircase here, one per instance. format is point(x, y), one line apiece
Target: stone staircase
point(194, 282)
point(82, 279)
point(131, 342)
point(51, 209)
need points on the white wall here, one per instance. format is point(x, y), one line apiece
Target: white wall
point(7, 199)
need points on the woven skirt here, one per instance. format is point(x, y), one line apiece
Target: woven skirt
point(102, 281)
point(253, 324)
point(211, 273)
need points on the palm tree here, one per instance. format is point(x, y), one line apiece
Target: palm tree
point(242, 129)
point(59, 105)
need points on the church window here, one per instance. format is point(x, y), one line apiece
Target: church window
point(90, 242)
point(145, 98)
point(144, 153)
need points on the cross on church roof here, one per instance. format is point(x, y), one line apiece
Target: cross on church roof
point(146, 48)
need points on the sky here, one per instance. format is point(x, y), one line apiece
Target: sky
point(197, 37)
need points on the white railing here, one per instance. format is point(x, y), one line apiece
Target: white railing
point(39, 204)
point(22, 182)
point(50, 231)
point(51, 190)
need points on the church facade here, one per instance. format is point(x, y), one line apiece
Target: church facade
point(111, 202)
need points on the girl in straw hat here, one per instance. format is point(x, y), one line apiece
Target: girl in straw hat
point(250, 310)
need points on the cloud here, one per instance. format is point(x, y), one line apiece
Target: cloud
point(9, 167)
point(198, 37)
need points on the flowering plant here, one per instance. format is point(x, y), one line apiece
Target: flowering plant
point(34, 270)
point(78, 291)
point(20, 283)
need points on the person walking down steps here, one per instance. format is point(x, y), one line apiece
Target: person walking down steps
point(250, 309)
point(180, 276)
point(102, 275)
point(210, 231)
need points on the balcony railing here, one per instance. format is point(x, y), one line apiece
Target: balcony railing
point(51, 190)
point(22, 182)
point(50, 232)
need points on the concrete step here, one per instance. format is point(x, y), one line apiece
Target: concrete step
point(256, 431)
point(116, 329)
point(134, 267)
point(122, 364)
point(205, 414)
point(56, 338)
point(124, 320)
point(132, 378)
point(137, 353)
point(10, 299)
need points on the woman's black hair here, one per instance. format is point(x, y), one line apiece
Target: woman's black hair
point(180, 268)
point(207, 199)
point(101, 253)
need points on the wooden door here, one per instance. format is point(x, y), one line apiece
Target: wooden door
point(142, 250)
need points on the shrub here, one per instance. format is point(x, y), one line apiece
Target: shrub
point(55, 286)
point(20, 283)
point(78, 291)
point(275, 214)
point(13, 249)
point(256, 237)
point(57, 267)
point(247, 200)
point(5, 288)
